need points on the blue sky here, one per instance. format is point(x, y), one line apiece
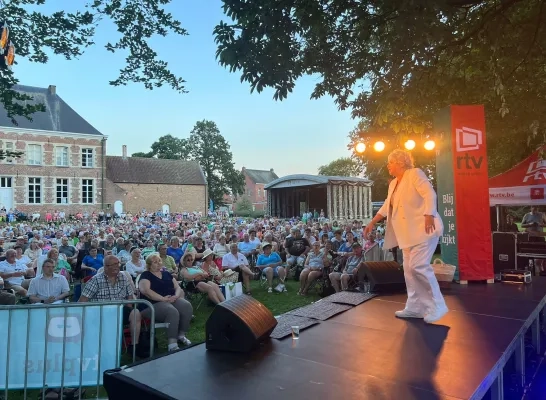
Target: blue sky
point(293, 136)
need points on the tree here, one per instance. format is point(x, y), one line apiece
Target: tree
point(209, 148)
point(394, 63)
point(142, 154)
point(243, 206)
point(36, 35)
point(344, 166)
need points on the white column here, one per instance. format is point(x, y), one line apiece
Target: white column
point(346, 197)
point(360, 203)
point(355, 202)
point(340, 211)
point(350, 194)
point(328, 201)
point(367, 205)
point(334, 202)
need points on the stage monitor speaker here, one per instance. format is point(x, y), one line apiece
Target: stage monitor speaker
point(385, 276)
point(504, 251)
point(239, 325)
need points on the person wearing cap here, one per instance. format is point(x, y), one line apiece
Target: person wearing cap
point(351, 269)
point(270, 264)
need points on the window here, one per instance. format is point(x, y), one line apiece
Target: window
point(61, 156)
point(5, 182)
point(35, 190)
point(9, 146)
point(87, 158)
point(34, 154)
point(87, 191)
point(62, 191)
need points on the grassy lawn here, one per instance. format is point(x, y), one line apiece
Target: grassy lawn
point(278, 303)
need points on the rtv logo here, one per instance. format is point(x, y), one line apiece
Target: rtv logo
point(468, 139)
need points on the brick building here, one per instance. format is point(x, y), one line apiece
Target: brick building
point(255, 180)
point(62, 165)
point(169, 185)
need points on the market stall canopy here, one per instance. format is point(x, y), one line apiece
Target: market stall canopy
point(522, 185)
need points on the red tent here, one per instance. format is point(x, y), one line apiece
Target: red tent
point(522, 185)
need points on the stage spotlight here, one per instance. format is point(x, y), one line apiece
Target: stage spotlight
point(360, 147)
point(430, 145)
point(410, 144)
point(379, 146)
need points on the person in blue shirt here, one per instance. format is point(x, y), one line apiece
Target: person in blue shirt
point(248, 248)
point(92, 262)
point(270, 264)
point(174, 250)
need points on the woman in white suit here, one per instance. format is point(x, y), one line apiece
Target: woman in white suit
point(413, 224)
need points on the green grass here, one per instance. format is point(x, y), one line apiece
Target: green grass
point(277, 303)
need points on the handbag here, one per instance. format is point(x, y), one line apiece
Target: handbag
point(443, 272)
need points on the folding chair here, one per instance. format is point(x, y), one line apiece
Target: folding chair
point(193, 296)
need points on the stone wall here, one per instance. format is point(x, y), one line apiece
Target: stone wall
point(152, 197)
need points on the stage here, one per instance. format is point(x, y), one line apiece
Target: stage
point(363, 353)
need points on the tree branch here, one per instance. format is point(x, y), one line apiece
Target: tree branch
point(533, 41)
point(484, 20)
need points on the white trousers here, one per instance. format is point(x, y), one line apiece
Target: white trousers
point(424, 294)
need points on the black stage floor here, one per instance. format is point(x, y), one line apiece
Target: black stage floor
point(363, 353)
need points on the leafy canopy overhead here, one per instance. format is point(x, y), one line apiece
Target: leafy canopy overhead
point(210, 149)
point(394, 63)
point(36, 34)
point(344, 166)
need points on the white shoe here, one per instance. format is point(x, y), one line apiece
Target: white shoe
point(436, 315)
point(269, 290)
point(405, 313)
point(185, 341)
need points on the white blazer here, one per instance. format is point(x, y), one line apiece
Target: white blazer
point(414, 199)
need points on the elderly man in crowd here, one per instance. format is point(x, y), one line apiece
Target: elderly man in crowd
point(48, 287)
point(238, 263)
point(13, 273)
point(112, 285)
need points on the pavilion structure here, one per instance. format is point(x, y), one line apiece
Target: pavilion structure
point(340, 197)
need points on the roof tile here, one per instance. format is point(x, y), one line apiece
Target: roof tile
point(154, 170)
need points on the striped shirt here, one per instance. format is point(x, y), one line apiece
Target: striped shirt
point(44, 288)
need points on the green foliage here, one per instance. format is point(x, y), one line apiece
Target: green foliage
point(343, 166)
point(171, 148)
point(142, 154)
point(209, 148)
point(36, 35)
point(374, 164)
point(394, 63)
point(243, 207)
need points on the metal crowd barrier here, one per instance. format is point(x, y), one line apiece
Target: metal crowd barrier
point(63, 345)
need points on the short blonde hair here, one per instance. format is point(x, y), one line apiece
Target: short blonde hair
point(150, 260)
point(402, 157)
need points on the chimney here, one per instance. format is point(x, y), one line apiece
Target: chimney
point(52, 89)
point(124, 151)
point(244, 169)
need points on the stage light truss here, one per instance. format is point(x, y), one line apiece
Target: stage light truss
point(380, 144)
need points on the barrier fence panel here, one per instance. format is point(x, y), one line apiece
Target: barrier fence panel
point(62, 345)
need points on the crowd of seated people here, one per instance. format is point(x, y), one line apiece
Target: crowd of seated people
point(159, 258)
